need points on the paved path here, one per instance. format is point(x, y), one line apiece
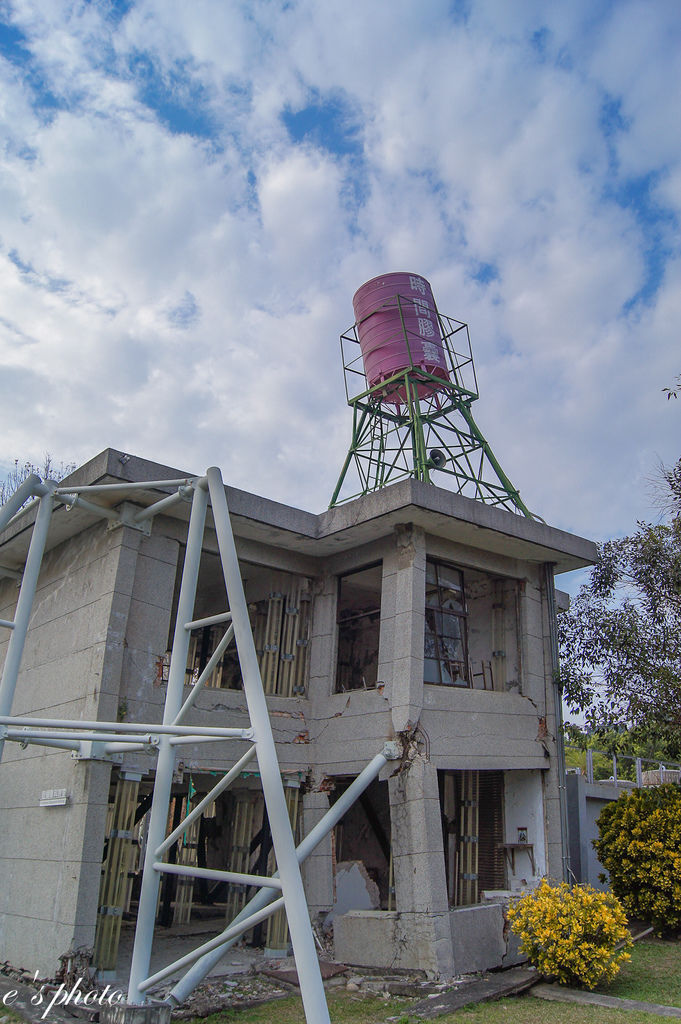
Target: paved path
point(561, 994)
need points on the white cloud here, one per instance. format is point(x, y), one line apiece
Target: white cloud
point(181, 295)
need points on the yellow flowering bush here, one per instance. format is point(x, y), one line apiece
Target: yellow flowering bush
point(572, 935)
point(639, 845)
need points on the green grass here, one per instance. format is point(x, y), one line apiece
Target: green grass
point(346, 1008)
point(8, 1016)
point(653, 974)
point(528, 1010)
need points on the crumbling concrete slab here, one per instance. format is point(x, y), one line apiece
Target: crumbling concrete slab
point(478, 937)
point(491, 986)
point(393, 940)
point(355, 890)
point(290, 975)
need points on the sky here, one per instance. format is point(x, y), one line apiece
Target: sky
point(190, 194)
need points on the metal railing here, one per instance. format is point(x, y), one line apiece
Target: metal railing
point(620, 769)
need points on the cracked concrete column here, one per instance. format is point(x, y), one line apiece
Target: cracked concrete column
point(419, 866)
point(402, 623)
point(318, 868)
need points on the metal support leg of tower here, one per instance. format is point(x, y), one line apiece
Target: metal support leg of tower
point(19, 626)
point(146, 916)
point(302, 940)
point(418, 437)
point(80, 736)
point(512, 492)
point(356, 435)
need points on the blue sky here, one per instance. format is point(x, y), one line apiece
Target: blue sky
point(190, 194)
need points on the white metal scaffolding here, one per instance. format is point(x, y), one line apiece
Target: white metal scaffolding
point(285, 888)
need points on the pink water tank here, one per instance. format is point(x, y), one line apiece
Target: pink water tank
point(398, 328)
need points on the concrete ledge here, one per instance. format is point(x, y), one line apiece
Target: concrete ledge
point(389, 939)
point(561, 994)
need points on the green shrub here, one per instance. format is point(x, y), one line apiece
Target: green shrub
point(572, 934)
point(639, 845)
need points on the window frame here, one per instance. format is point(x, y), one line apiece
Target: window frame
point(437, 615)
point(356, 617)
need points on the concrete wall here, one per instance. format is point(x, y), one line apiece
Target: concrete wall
point(585, 802)
point(402, 625)
point(99, 632)
point(388, 939)
point(318, 868)
point(511, 728)
point(149, 632)
point(479, 940)
point(493, 637)
point(539, 687)
point(424, 933)
point(524, 808)
point(99, 625)
point(143, 608)
point(50, 856)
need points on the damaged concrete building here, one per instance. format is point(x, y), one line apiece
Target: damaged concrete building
point(410, 613)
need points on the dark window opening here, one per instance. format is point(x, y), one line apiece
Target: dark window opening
point(472, 807)
point(445, 647)
point(363, 834)
point(359, 620)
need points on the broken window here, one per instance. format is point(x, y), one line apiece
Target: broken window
point(445, 648)
point(279, 609)
point(473, 832)
point(494, 650)
point(359, 619)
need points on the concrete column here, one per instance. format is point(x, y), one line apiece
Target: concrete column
point(533, 641)
point(318, 868)
point(576, 804)
point(552, 778)
point(402, 625)
point(419, 866)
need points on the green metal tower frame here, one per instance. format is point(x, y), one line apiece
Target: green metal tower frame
point(415, 424)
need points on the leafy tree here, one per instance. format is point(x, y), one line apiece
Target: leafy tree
point(621, 639)
point(672, 478)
